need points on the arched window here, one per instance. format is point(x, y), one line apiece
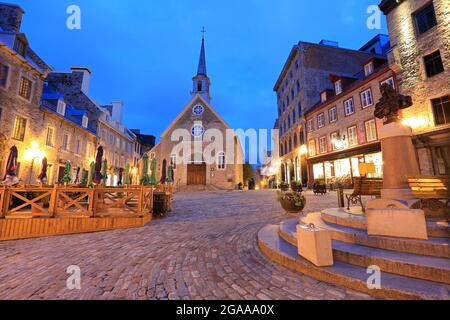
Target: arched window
point(199, 86)
point(173, 161)
point(221, 161)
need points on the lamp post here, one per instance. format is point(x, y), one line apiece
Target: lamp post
point(33, 154)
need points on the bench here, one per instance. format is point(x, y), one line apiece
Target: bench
point(432, 191)
point(364, 187)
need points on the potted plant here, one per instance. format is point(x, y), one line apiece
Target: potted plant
point(284, 186)
point(240, 186)
point(292, 202)
point(319, 187)
point(296, 186)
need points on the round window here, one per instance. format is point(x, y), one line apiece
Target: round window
point(198, 130)
point(198, 110)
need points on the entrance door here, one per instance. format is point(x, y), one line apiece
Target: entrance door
point(196, 174)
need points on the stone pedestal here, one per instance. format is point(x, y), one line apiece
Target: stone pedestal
point(400, 161)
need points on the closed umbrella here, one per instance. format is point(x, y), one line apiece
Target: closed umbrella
point(164, 173)
point(153, 181)
point(42, 178)
point(145, 179)
point(84, 177)
point(105, 171)
point(66, 178)
point(77, 177)
point(126, 175)
point(98, 166)
point(119, 182)
point(11, 178)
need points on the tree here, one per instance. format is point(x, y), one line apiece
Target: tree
point(249, 173)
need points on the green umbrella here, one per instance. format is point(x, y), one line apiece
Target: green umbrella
point(145, 179)
point(91, 175)
point(169, 174)
point(105, 171)
point(126, 175)
point(153, 180)
point(84, 177)
point(66, 178)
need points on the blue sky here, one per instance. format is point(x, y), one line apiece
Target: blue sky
point(146, 52)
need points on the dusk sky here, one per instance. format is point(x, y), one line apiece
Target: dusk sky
point(146, 52)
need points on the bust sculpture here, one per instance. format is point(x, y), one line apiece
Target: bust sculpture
point(391, 103)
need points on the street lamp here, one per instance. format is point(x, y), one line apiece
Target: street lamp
point(33, 154)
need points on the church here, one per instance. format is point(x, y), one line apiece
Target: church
point(198, 165)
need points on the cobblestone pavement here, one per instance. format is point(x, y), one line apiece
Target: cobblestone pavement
point(205, 249)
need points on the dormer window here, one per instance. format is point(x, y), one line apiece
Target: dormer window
point(368, 69)
point(61, 108)
point(338, 87)
point(323, 96)
point(85, 121)
point(20, 47)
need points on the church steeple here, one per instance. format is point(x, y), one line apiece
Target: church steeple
point(201, 81)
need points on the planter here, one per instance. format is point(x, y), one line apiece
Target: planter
point(290, 207)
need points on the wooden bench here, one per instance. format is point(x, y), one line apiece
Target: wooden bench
point(432, 191)
point(364, 187)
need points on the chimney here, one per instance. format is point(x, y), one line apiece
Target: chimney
point(10, 17)
point(329, 43)
point(86, 77)
point(117, 109)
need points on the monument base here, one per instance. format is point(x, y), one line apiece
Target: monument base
point(397, 223)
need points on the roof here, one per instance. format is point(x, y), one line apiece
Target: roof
point(201, 71)
point(388, 5)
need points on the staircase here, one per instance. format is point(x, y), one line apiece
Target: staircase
point(411, 269)
point(198, 188)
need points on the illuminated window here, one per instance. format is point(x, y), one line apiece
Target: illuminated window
point(352, 136)
point(334, 140)
point(20, 125)
point(371, 130)
point(323, 144)
point(25, 88)
point(65, 142)
point(312, 148)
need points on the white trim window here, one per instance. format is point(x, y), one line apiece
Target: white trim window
point(312, 148)
point(389, 81)
point(349, 107)
point(321, 120)
point(65, 142)
point(323, 96)
point(50, 140)
point(221, 161)
point(352, 136)
point(173, 161)
point(338, 87)
point(368, 69)
point(371, 130)
point(323, 144)
point(310, 125)
point(85, 122)
point(332, 114)
point(61, 108)
point(366, 98)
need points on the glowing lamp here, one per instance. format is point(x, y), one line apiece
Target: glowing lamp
point(34, 153)
point(303, 150)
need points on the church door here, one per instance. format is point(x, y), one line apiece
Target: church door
point(196, 174)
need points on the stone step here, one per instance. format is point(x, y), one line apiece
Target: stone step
point(407, 264)
point(347, 275)
point(434, 247)
point(435, 228)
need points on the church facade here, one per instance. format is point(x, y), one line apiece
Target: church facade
point(199, 145)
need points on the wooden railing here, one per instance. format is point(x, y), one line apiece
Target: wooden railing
point(77, 202)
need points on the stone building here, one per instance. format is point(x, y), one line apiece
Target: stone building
point(22, 75)
point(223, 168)
point(342, 131)
point(420, 55)
point(303, 81)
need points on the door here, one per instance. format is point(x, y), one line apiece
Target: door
point(196, 174)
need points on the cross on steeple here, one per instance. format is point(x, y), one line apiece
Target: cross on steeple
point(203, 32)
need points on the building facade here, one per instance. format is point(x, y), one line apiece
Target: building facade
point(420, 55)
point(193, 125)
point(303, 82)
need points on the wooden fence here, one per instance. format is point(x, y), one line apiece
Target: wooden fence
point(77, 202)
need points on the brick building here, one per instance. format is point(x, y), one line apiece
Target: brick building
point(420, 55)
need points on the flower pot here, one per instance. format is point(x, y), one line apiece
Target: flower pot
point(290, 207)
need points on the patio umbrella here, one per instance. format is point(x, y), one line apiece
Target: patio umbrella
point(170, 174)
point(105, 171)
point(42, 178)
point(153, 176)
point(119, 182)
point(84, 177)
point(145, 179)
point(164, 173)
point(66, 178)
point(126, 176)
point(91, 175)
point(11, 178)
point(98, 166)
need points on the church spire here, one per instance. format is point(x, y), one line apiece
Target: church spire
point(201, 81)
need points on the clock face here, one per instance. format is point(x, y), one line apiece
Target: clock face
point(198, 130)
point(198, 110)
